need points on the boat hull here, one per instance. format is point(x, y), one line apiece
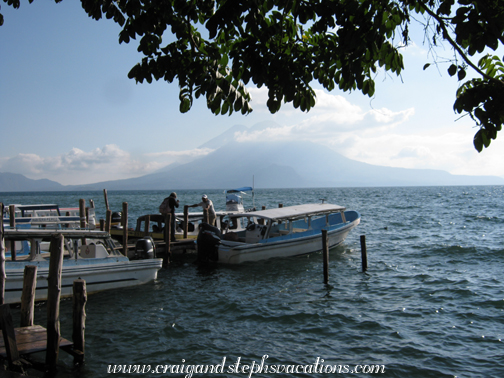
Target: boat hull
point(99, 274)
point(303, 243)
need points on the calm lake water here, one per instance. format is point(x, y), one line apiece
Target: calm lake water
point(430, 305)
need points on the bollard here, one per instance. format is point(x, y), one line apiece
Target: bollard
point(325, 253)
point(363, 252)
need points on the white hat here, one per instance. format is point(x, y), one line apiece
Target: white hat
point(204, 196)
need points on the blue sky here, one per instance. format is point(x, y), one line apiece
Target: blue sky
point(69, 113)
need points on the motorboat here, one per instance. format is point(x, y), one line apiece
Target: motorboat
point(90, 255)
point(280, 232)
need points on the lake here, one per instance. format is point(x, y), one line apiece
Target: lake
point(430, 305)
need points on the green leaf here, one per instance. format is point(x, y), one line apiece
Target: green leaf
point(452, 70)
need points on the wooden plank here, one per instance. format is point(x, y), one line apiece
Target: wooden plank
point(31, 340)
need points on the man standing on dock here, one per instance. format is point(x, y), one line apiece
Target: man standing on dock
point(206, 203)
point(168, 207)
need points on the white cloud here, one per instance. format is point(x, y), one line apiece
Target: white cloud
point(80, 167)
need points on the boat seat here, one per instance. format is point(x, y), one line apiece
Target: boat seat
point(299, 229)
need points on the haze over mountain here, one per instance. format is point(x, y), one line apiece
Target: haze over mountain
point(289, 164)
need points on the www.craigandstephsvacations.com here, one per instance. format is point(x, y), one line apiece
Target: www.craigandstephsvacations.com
point(188, 370)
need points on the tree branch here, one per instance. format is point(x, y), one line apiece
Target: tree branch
point(457, 47)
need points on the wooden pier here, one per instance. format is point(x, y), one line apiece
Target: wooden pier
point(31, 338)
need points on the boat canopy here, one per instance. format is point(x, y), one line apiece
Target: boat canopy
point(21, 234)
point(238, 190)
point(47, 207)
point(295, 212)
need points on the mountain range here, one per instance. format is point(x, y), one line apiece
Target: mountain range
point(292, 164)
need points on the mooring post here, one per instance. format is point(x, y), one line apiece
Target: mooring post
point(363, 252)
point(12, 223)
point(106, 199)
point(124, 221)
point(79, 319)
point(108, 220)
point(53, 300)
point(186, 220)
point(167, 234)
point(205, 216)
point(147, 226)
point(102, 224)
point(82, 213)
point(2, 258)
point(325, 253)
point(28, 296)
point(280, 205)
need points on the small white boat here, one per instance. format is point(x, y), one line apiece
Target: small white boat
point(98, 262)
point(281, 232)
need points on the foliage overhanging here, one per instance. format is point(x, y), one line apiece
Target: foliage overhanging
point(215, 48)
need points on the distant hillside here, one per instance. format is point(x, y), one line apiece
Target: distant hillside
point(13, 182)
point(285, 165)
point(271, 164)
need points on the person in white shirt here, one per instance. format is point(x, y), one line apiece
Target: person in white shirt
point(206, 203)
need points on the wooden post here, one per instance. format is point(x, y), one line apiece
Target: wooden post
point(186, 220)
point(263, 207)
point(2, 258)
point(108, 220)
point(280, 205)
point(147, 225)
point(9, 336)
point(79, 319)
point(28, 296)
point(363, 252)
point(325, 253)
point(167, 235)
point(124, 221)
point(12, 223)
point(53, 299)
point(205, 215)
point(102, 224)
point(82, 213)
point(106, 199)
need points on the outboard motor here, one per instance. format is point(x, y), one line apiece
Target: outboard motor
point(145, 249)
point(209, 238)
point(115, 221)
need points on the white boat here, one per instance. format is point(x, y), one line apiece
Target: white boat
point(234, 199)
point(98, 262)
point(281, 232)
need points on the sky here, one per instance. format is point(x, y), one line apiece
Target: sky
point(69, 113)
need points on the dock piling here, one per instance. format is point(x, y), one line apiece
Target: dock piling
point(363, 253)
point(28, 296)
point(167, 235)
point(12, 223)
point(124, 222)
point(79, 320)
point(2, 258)
point(106, 199)
point(56, 250)
point(186, 220)
point(325, 253)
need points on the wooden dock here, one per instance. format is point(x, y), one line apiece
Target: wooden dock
point(33, 339)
